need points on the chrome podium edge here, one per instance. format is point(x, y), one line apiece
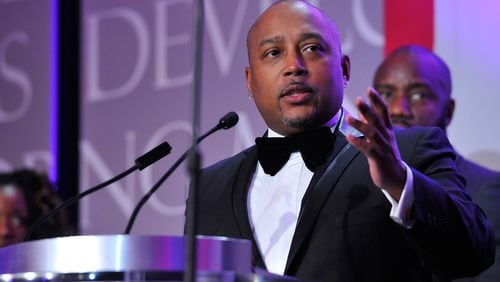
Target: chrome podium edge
point(123, 253)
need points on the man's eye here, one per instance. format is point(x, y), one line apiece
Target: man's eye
point(312, 48)
point(272, 53)
point(386, 95)
point(417, 97)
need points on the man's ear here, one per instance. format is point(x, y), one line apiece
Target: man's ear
point(346, 67)
point(450, 109)
point(248, 77)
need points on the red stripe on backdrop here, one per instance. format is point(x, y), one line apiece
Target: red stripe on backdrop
point(408, 21)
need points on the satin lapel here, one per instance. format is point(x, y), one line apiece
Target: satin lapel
point(240, 207)
point(341, 157)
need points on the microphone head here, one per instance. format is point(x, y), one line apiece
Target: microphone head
point(153, 155)
point(229, 120)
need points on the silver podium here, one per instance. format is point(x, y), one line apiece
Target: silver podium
point(128, 258)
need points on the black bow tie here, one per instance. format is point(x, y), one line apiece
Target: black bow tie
point(314, 146)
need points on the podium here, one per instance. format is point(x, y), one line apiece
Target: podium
point(128, 258)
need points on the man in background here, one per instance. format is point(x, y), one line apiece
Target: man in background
point(416, 85)
point(26, 196)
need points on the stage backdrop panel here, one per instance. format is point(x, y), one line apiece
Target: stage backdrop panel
point(137, 80)
point(467, 38)
point(25, 84)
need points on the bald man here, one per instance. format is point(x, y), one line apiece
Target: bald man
point(416, 85)
point(325, 196)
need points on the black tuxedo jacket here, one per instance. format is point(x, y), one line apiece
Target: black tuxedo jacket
point(344, 232)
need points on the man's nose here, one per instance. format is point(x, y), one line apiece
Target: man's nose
point(294, 65)
point(400, 106)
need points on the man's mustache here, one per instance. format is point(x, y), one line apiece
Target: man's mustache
point(400, 120)
point(296, 87)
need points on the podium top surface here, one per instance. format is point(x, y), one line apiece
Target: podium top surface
point(123, 253)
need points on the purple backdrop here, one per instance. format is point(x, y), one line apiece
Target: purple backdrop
point(137, 75)
point(136, 86)
point(25, 85)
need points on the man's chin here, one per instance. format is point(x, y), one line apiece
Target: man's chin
point(300, 117)
point(300, 124)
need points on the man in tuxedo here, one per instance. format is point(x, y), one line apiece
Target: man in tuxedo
point(325, 196)
point(416, 85)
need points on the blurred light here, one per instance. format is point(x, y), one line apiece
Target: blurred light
point(6, 277)
point(29, 276)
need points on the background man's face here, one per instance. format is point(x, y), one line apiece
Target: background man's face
point(13, 212)
point(412, 88)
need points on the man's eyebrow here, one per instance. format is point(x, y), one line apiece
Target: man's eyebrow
point(383, 85)
point(279, 38)
point(309, 35)
point(271, 40)
point(418, 84)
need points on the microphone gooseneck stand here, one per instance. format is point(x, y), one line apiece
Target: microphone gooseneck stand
point(227, 121)
point(140, 163)
point(194, 158)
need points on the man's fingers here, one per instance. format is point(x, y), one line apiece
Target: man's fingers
point(359, 143)
point(371, 134)
point(371, 117)
point(380, 107)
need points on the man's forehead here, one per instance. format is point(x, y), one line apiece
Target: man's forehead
point(301, 36)
point(11, 197)
point(404, 66)
point(306, 30)
point(9, 190)
point(284, 11)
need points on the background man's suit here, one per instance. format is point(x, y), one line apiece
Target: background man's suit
point(484, 187)
point(344, 232)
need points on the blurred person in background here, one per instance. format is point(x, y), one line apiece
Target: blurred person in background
point(416, 85)
point(25, 197)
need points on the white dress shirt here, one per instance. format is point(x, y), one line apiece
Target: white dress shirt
point(274, 203)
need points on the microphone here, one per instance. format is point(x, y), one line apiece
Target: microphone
point(227, 121)
point(140, 163)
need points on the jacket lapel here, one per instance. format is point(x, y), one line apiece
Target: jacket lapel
point(318, 192)
point(240, 207)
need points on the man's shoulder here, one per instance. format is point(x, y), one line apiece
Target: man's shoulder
point(473, 170)
point(417, 131)
point(233, 161)
point(428, 136)
point(425, 148)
